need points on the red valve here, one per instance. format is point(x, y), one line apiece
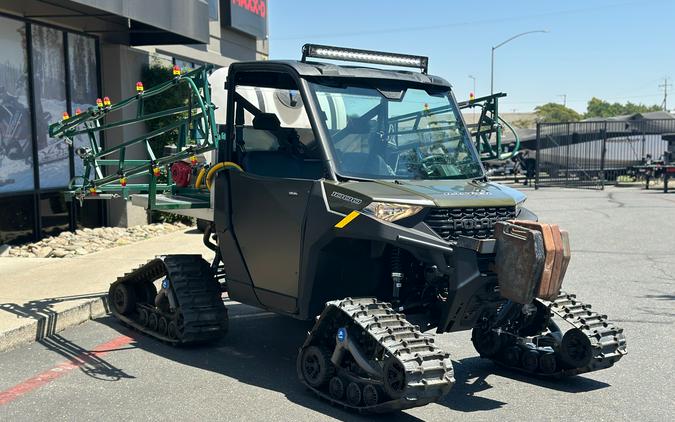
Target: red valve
point(181, 173)
point(471, 96)
point(139, 87)
point(176, 70)
point(65, 115)
point(78, 111)
point(106, 101)
point(123, 181)
point(155, 171)
point(92, 191)
point(99, 103)
point(193, 160)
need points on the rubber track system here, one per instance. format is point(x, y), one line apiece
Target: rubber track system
point(596, 342)
point(386, 335)
point(199, 314)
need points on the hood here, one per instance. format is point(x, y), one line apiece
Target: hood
point(443, 193)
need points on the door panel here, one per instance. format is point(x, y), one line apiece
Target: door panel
point(268, 217)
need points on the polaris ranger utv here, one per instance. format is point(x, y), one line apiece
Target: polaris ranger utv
point(352, 195)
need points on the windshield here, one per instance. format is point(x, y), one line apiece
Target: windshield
point(396, 134)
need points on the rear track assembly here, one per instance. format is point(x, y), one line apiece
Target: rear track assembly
point(188, 308)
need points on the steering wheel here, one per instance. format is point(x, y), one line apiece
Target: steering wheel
point(432, 159)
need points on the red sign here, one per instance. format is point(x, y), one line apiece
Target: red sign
point(258, 7)
point(248, 16)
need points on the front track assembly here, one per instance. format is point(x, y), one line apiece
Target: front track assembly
point(187, 309)
point(539, 347)
point(364, 356)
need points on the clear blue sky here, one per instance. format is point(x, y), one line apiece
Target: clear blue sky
point(615, 50)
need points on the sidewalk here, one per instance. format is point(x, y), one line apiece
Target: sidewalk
point(42, 296)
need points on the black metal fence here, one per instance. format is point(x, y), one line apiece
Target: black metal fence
point(594, 153)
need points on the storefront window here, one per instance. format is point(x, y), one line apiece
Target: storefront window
point(17, 219)
point(83, 83)
point(54, 213)
point(50, 103)
point(16, 150)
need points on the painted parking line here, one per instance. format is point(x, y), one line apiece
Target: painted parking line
point(60, 370)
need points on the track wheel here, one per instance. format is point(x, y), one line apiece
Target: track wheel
point(143, 317)
point(530, 360)
point(315, 366)
point(153, 321)
point(146, 292)
point(162, 325)
point(370, 395)
point(172, 330)
point(394, 378)
point(547, 363)
point(353, 394)
point(486, 342)
point(512, 356)
point(123, 298)
point(336, 388)
point(575, 349)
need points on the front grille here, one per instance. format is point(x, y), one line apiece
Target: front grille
point(450, 223)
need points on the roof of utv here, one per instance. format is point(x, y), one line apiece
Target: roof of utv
point(318, 69)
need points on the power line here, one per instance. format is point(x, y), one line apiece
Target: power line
point(665, 85)
point(396, 30)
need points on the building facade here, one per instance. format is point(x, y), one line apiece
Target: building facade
point(60, 56)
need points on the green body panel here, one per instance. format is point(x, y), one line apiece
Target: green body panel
point(439, 193)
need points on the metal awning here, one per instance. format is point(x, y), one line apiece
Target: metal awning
point(131, 22)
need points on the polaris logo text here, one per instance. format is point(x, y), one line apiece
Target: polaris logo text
point(475, 193)
point(478, 224)
point(338, 195)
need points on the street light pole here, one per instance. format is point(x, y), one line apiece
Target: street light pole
point(492, 58)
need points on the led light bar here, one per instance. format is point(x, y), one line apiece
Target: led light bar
point(364, 56)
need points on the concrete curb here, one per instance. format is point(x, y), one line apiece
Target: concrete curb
point(41, 326)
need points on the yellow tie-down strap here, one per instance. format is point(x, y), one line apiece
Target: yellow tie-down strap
point(348, 219)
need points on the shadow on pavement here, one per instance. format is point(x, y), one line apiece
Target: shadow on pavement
point(89, 363)
point(43, 311)
point(481, 369)
point(261, 348)
point(45, 334)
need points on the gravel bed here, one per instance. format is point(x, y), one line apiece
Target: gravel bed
point(86, 241)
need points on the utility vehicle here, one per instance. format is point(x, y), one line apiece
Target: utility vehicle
point(354, 195)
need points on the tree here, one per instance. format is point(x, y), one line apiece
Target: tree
point(600, 108)
point(554, 113)
point(523, 123)
point(154, 75)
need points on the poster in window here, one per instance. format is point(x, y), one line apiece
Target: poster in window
point(83, 85)
point(50, 103)
point(16, 148)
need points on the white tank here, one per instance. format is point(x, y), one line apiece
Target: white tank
point(287, 105)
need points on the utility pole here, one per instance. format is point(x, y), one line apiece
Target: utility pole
point(665, 85)
point(564, 97)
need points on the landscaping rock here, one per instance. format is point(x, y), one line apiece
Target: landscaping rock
point(85, 241)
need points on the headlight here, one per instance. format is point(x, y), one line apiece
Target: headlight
point(391, 212)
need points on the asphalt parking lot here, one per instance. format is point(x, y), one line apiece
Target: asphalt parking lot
point(623, 243)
